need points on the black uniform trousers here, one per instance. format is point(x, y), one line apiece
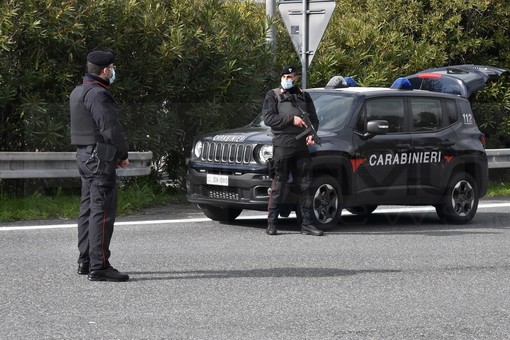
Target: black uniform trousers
point(97, 212)
point(295, 161)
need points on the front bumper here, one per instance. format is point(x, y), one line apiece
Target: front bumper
point(244, 190)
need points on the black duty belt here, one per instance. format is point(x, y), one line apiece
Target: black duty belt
point(86, 148)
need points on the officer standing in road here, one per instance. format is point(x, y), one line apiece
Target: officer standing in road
point(290, 155)
point(101, 148)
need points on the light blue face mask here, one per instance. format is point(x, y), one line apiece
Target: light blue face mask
point(112, 78)
point(287, 84)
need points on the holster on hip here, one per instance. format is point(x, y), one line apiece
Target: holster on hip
point(103, 157)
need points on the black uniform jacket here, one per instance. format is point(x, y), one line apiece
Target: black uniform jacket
point(94, 116)
point(278, 113)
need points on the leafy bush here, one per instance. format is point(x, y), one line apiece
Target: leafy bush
point(188, 67)
point(492, 111)
point(183, 69)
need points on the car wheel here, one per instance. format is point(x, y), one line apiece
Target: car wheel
point(362, 211)
point(220, 214)
point(460, 202)
point(326, 202)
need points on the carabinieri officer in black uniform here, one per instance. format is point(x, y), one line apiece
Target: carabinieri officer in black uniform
point(290, 155)
point(101, 148)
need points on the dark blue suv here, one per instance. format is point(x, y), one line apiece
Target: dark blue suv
point(415, 143)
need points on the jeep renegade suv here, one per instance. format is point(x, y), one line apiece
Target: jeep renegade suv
point(405, 145)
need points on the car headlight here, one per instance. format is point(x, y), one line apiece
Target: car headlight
point(197, 149)
point(263, 153)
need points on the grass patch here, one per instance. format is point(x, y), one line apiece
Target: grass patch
point(498, 189)
point(137, 196)
point(38, 206)
point(132, 198)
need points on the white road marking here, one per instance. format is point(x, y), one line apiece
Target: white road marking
point(204, 219)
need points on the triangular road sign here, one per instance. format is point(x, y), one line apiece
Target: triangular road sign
point(318, 16)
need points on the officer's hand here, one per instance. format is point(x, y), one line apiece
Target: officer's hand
point(309, 140)
point(299, 122)
point(123, 163)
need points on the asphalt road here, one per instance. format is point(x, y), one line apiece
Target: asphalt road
point(397, 275)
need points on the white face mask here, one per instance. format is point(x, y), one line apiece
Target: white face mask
point(112, 78)
point(287, 84)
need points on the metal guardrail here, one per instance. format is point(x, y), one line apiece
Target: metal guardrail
point(498, 158)
point(63, 164)
point(18, 165)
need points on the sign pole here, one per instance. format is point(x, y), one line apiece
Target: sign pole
point(304, 45)
point(271, 30)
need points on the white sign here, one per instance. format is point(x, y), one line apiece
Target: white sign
point(318, 16)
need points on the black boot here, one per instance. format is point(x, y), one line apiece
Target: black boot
point(83, 268)
point(308, 229)
point(271, 229)
point(108, 274)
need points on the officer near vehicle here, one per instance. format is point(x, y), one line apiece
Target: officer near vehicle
point(101, 148)
point(281, 111)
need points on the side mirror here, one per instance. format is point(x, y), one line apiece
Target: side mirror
point(377, 127)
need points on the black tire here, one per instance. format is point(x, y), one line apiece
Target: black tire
point(220, 214)
point(363, 211)
point(460, 202)
point(326, 202)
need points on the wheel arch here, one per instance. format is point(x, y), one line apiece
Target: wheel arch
point(476, 170)
point(335, 166)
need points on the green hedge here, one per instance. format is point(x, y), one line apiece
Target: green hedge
point(187, 67)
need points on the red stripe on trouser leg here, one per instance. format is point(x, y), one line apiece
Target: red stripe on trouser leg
point(103, 255)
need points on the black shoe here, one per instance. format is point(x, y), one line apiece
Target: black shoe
point(308, 229)
point(108, 274)
point(271, 229)
point(83, 268)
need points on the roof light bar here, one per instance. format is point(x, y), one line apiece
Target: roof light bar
point(340, 82)
point(336, 82)
point(401, 84)
point(351, 82)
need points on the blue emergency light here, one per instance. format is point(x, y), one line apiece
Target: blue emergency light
point(401, 84)
point(351, 82)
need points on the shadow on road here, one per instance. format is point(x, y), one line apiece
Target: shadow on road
point(425, 223)
point(251, 273)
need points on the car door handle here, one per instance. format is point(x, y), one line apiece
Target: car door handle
point(447, 143)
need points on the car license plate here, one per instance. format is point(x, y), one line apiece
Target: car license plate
point(217, 180)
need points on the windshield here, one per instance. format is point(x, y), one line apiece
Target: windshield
point(332, 109)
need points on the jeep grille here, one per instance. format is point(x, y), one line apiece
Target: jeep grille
point(218, 152)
